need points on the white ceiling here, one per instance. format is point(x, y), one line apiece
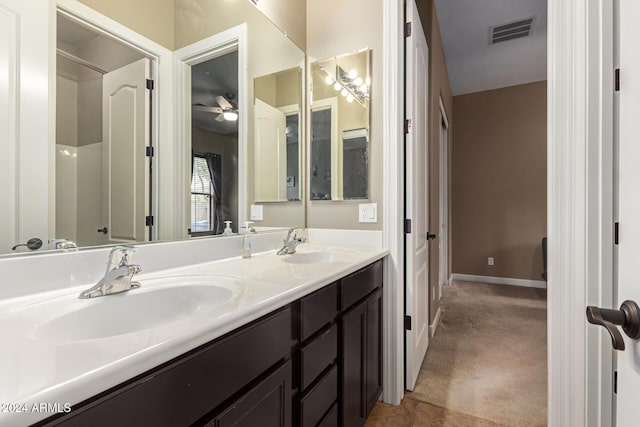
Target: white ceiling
point(473, 64)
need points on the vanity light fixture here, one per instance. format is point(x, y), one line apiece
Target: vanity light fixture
point(349, 84)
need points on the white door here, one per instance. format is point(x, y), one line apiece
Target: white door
point(417, 198)
point(628, 286)
point(27, 176)
point(269, 153)
point(125, 130)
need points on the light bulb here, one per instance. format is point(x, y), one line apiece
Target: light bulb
point(358, 81)
point(231, 116)
point(368, 81)
point(364, 88)
point(350, 98)
point(353, 73)
point(344, 92)
point(328, 80)
point(337, 86)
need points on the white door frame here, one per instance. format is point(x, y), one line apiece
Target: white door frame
point(444, 200)
point(393, 197)
point(203, 50)
point(163, 176)
point(580, 216)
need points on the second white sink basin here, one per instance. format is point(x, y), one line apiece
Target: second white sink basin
point(139, 309)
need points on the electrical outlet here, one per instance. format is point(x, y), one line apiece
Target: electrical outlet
point(490, 261)
point(257, 212)
point(368, 212)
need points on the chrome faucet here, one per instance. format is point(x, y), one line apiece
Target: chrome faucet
point(64, 244)
point(291, 242)
point(118, 276)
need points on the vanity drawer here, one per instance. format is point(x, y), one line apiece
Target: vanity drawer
point(360, 284)
point(319, 399)
point(317, 310)
point(317, 355)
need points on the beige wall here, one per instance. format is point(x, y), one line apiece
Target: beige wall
point(329, 34)
point(499, 182)
point(439, 88)
point(288, 16)
point(151, 18)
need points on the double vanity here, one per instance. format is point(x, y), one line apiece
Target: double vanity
point(271, 340)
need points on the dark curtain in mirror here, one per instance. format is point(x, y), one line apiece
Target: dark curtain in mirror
point(206, 194)
point(214, 161)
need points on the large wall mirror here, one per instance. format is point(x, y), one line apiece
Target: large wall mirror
point(339, 150)
point(99, 181)
point(247, 110)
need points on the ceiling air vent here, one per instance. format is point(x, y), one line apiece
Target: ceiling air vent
point(512, 30)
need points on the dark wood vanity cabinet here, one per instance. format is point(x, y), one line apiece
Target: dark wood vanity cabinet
point(361, 350)
point(316, 362)
point(339, 358)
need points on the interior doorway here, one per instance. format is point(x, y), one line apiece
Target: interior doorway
point(103, 190)
point(214, 144)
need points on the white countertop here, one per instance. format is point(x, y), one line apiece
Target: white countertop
point(36, 368)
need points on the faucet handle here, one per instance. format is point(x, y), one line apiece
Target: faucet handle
point(123, 251)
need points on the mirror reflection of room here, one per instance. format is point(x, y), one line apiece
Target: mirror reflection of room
point(277, 136)
point(214, 145)
point(339, 158)
point(102, 121)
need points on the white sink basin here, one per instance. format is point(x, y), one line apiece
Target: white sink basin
point(315, 257)
point(157, 303)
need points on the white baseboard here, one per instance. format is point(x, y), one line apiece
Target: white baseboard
point(500, 280)
point(434, 325)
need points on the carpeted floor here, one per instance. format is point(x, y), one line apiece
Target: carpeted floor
point(488, 358)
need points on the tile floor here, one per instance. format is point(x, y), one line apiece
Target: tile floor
point(412, 413)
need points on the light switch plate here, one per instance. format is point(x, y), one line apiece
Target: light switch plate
point(368, 212)
point(257, 212)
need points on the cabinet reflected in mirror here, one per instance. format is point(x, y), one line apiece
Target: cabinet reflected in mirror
point(339, 153)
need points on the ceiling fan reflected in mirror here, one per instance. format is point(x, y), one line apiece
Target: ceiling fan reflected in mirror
point(225, 109)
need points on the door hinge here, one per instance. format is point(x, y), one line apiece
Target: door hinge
point(149, 151)
point(407, 226)
point(150, 84)
point(148, 221)
point(407, 29)
point(617, 79)
point(615, 382)
point(616, 233)
point(407, 322)
point(407, 125)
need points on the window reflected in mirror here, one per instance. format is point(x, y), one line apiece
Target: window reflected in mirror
point(214, 145)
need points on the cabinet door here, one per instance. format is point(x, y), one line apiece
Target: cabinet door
point(374, 349)
point(353, 330)
point(268, 404)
